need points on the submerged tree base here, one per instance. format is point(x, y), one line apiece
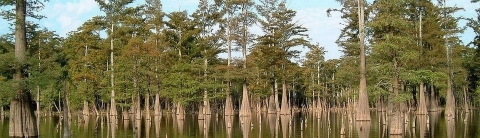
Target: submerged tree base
point(22, 119)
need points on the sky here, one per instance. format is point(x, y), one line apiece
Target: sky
point(64, 16)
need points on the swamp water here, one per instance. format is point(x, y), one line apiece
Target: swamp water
point(298, 125)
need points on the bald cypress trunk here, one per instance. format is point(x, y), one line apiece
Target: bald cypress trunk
point(450, 105)
point(66, 114)
point(396, 123)
point(422, 107)
point(271, 102)
point(363, 112)
point(285, 107)
point(245, 108)
point(22, 118)
point(157, 105)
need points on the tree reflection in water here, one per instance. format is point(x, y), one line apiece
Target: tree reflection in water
point(297, 125)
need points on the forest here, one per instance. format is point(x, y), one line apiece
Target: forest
point(398, 55)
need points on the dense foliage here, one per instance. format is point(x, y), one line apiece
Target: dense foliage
point(177, 56)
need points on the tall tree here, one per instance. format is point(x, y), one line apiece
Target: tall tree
point(312, 71)
point(155, 21)
point(207, 16)
point(392, 45)
point(22, 119)
point(113, 16)
point(245, 18)
point(451, 40)
point(281, 35)
point(363, 112)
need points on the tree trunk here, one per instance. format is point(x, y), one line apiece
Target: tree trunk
point(38, 103)
point(113, 105)
point(180, 111)
point(157, 105)
point(86, 110)
point(422, 107)
point(433, 100)
point(138, 111)
point(396, 123)
point(245, 108)
point(22, 118)
point(271, 102)
point(465, 100)
point(285, 106)
point(201, 115)
point(147, 106)
point(206, 103)
point(66, 115)
point(450, 105)
point(363, 112)
point(275, 93)
point(2, 111)
point(228, 102)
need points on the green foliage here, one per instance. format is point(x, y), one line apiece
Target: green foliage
point(177, 54)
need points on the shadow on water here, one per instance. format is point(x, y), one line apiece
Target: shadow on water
point(327, 124)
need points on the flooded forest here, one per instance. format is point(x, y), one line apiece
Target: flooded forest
point(235, 68)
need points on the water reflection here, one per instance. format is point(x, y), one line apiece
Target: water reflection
point(228, 125)
point(433, 123)
point(285, 120)
point(363, 129)
point(245, 123)
point(273, 124)
point(156, 121)
point(422, 124)
point(327, 124)
point(450, 127)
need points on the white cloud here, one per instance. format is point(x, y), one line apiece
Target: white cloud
point(322, 29)
point(66, 16)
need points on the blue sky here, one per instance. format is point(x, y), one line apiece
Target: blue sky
point(64, 16)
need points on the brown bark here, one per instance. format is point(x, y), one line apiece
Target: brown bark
point(38, 103)
point(157, 105)
point(138, 111)
point(147, 106)
point(228, 103)
point(450, 105)
point(2, 111)
point(180, 111)
point(271, 105)
point(206, 105)
point(86, 110)
point(201, 115)
point(433, 100)
point(363, 112)
point(396, 122)
point(113, 105)
point(66, 114)
point(22, 118)
point(422, 107)
point(275, 91)
point(285, 107)
point(465, 100)
point(245, 108)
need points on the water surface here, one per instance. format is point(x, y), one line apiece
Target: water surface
point(298, 125)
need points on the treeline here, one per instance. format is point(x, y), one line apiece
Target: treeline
point(141, 57)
